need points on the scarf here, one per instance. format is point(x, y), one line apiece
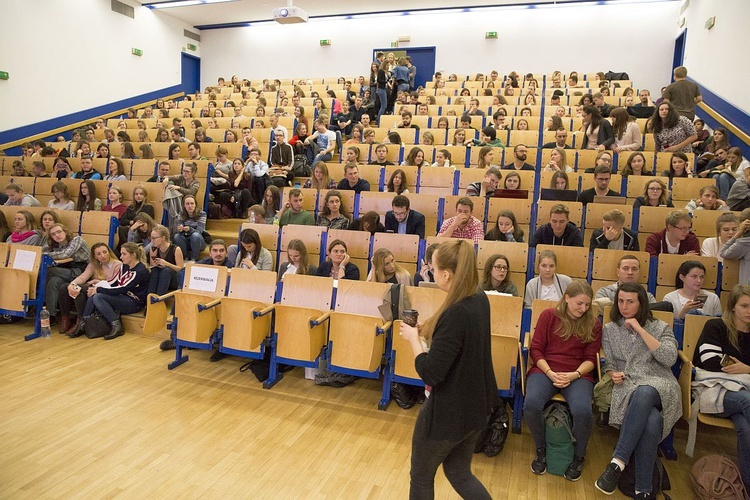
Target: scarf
point(17, 237)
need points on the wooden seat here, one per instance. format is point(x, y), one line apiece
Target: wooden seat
point(310, 235)
point(19, 277)
point(405, 248)
point(544, 206)
point(704, 222)
point(4, 251)
point(357, 329)
point(99, 227)
point(242, 331)
point(505, 324)
point(652, 219)
point(358, 247)
point(571, 261)
point(43, 189)
point(685, 189)
point(605, 264)
point(636, 185)
point(436, 180)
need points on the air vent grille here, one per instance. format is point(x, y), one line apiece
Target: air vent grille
point(191, 35)
point(123, 8)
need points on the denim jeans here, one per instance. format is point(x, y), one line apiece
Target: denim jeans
point(195, 241)
point(321, 157)
point(162, 280)
point(111, 306)
point(383, 96)
point(640, 433)
point(724, 181)
point(427, 455)
point(737, 407)
point(579, 395)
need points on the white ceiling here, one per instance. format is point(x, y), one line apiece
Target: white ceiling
point(260, 10)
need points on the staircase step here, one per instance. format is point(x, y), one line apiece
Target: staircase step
point(133, 323)
point(225, 229)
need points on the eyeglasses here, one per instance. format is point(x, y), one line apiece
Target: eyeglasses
point(55, 233)
point(500, 268)
point(683, 228)
point(657, 188)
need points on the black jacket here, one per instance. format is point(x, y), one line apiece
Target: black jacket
point(587, 195)
point(545, 236)
point(351, 271)
point(629, 242)
point(458, 367)
point(414, 223)
point(605, 136)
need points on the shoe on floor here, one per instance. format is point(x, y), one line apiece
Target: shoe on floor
point(217, 356)
point(573, 472)
point(80, 330)
point(539, 465)
point(116, 331)
point(607, 482)
point(166, 345)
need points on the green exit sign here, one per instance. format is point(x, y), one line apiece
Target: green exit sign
point(394, 45)
point(192, 47)
point(325, 42)
point(490, 34)
point(4, 75)
point(137, 52)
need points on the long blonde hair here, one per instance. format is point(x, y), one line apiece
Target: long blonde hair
point(583, 328)
point(98, 269)
point(459, 258)
point(728, 317)
point(378, 265)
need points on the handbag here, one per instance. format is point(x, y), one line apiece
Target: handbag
point(96, 326)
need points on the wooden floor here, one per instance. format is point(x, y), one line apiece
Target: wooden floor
point(95, 419)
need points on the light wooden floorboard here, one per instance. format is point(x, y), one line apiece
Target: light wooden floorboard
point(95, 419)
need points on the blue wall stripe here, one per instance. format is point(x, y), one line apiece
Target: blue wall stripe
point(731, 113)
point(80, 116)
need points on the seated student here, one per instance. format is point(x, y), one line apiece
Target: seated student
point(739, 246)
point(271, 202)
point(381, 151)
point(333, 214)
point(337, 265)
point(506, 228)
point(218, 255)
point(548, 285)
point(103, 266)
point(512, 181)
point(87, 199)
point(487, 137)
point(402, 220)
point(17, 198)
point(116, 171)
point(397, 183)
point(559, 180)
point(519, 159)
point(557, 161)
point(60, 197)
point(602, 176)
point(293, 213)
point(640, 352)
point(708, 199)
point(487, 186)
point(297, 260)
point(561, 137)
point(140, 231)
point(385, 269)
point(25, 230)
point(190, 228)
point(655, 194)
point(237, 197)
point(732, 170)
point(726, 227)
point(250, 254)
point(442, 158)
point(87, 170)
point(162, 173)
point(320, 179)
point(679, 166)
point(687, 298)
point(114, 202)
point(425, 272)
point(613, 235)
point(628, 271)
point(562, 358)
point(281, 170)
point(125, 295)
point(636, 165)
point(727, 337)
point(463, 224)
point(496, 276)
point(71, 255)
point(406, 117)
point(370, 222)
point(415, 158)
point(351, 154)
point(257, 169)
point(352, 181)
point(559, 230)
point(165, 259)
point(140, 204)
point(739, 194)
point(676, 238)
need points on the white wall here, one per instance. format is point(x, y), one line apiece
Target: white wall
point(717, 58)
point(637, 38)
point(77, 55)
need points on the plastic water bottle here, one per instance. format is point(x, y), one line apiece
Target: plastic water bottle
point(44, 323)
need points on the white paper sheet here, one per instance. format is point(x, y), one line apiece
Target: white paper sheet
point(24, 260)
point(204, 279)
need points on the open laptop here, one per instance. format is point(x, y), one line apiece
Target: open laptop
point(611, 200)
point(512, 193)
point(558, 194)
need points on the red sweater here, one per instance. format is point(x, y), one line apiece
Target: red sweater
point(561, 355)
point(657, 243)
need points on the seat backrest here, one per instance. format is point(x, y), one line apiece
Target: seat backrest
point(652, 219)
point(694, 324)
point(505, 315)
point(571, 261)
point(313, 292)
point(685, 189)
point(96, 227)
point(254, 285)
point(605, 264)
point(360, 297)
point(357, 247)
point(517, 254)
point(595, 211)
point(520, 207)
point(26, 258)
point(4, 250)
point(575, 207)
point(669, 264)
point(269, 234)
point(205, 279)
point(537, 306)
point(704, 222)
point(310, 235)
point(436, 180)
point(404, 247)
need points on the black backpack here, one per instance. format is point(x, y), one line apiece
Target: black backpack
point(659, 483)
point(492, 439)
point(612, 75)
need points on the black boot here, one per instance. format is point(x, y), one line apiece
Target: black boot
point(80, 330)
point(116, 330)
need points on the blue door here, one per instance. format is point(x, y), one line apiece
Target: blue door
point(191, 73)
point(421, 57)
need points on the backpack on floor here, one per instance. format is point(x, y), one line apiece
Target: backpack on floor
point(717, 477)
point(96, 326)
point(492, 439)
point(558, 433)
point(659, 482)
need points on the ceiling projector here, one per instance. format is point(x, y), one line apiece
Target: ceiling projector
point(289, 15)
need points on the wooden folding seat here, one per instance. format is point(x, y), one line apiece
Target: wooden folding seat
point(704, 222)
point(404, 247)
point(685, 189)
point(26, 183)
point(670, 263)
point(269, 238)
point(364, 151)
point(604, 269)
point(390, 122)
point(309, 198)
point(467, 176)
point(458, 155)
point(652, 219)
point(521, 208)
point(544, 206)
point(412, 173)
point(436, 180)
point(71, 219)
point(408, 137)
point(99, 227)
point(20, 276)
point(358, 247)
point(517, 254)
point(440, 134)
point(498, 159)
point(161, 149)
point(449, 207)
point(43, 189)
point(571, 261)
point(636, 185)
point(457, 108)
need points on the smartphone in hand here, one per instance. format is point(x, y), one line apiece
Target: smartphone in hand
point(726, 360)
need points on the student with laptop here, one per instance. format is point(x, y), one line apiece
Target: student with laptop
point(602, 177)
